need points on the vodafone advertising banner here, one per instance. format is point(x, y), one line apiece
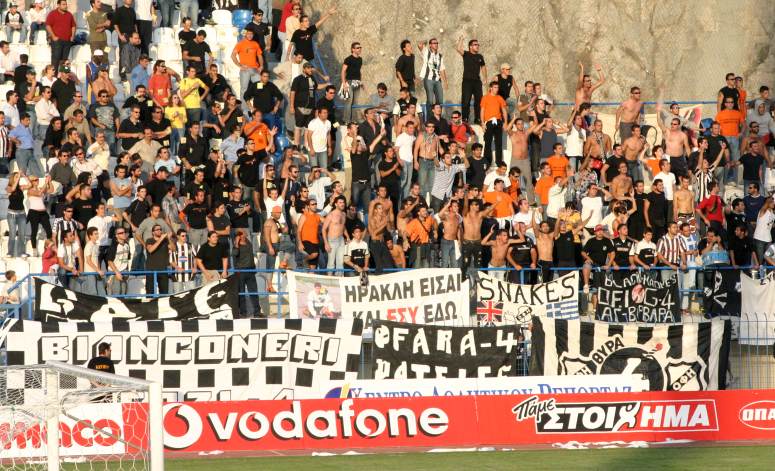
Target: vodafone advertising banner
point(457, 421)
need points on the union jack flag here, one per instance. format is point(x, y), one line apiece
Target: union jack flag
point(489, 313)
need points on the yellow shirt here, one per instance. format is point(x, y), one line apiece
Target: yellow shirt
point(178, 122)
point(192, 100)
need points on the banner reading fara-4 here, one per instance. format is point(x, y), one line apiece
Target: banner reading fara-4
point(683, 357)
point(216, 300)
point(434, 296)
point(202, 360)
point(415, 351)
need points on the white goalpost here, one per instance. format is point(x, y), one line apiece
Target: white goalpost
point(59, 416)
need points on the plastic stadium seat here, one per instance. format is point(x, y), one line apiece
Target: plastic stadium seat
point(20, 49)
point(212, 36)
point(176, 65)
point(40, 53)
point(162, 35)
point(80, 54)
point(40, 38)
point(222, 17)
point(240, 18)
point(226, 34)
point(168, 51)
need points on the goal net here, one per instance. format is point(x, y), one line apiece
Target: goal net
point(59, 416)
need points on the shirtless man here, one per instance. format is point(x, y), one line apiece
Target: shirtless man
point(500, 248)
point(334, 234)
point(472, 236)
point(585, 88)
point(631, 148)
point(403, 218)
point(683, 204)
point(379, 223)
point(676, 143)
point(409, 117)
point(427, 149)
point(598, 144)
point(627, 114)
point(544, 238)
point(451, 233)
point(519, 154)
point(621, 185)
point(271, 234)
point(387, 205)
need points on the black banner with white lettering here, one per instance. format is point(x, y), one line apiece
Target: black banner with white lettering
point(216, 300)
point(405, 351)
point(680, 357)
point(722, 293)
point(638, 297)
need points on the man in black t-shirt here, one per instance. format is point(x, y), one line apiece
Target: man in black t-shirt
point(477, 167)
point(213, 257)
point(655, 209)
point(157, 260)
point(351, 79)
point(623, 249)
point(301, 39)
point(103, 364)
point(598, 253)
point(729, 91)
point(194, 52)
point(405, 66)
point(473, 71)
point(195, 214)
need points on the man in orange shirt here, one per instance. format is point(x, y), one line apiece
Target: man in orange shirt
point(248, 57)
point(502, 203)
point(309, 227)
point(559, 164)
point(419, 233)
point(493, 114)
point(260, 134)
point(732, 123)
point(543, 184)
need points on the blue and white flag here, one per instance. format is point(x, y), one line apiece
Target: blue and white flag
point(557, 299)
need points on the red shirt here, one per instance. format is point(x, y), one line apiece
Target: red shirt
point(287, 10)
point(713, 208)
point(461, 132)
point(62, 24)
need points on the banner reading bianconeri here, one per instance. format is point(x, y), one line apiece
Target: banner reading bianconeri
point(638, 297)
point(504, 303)
point(207, 360)
point(682, 357)
point(435, 296)
point(404, 351)
point(216, 300)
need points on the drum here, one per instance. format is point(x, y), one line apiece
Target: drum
point(716, 257)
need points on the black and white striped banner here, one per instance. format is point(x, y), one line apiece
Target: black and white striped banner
point(687, 357)
point(203, 360)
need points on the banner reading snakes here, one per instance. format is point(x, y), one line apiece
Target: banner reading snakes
point(406, 351)
point(433, 296)
point(637, 297)
point(504, 303)
point(216, 300)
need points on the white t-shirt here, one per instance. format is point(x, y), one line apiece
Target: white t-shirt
point(143, 10)
point(527, 220)
point(320, 130)
point(103, 225)
point(592, 206)
point(574, 144)
point(69, 253)
point(91, 253)
point(269, 203)
point(317, 190)
point(556, 200)
point(668, 179)
point(489, 180)
point(405, 144)
point(763, 227)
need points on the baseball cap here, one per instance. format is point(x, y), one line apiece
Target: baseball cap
point(37, 1)
point(307, 64)
point(64, 69)
point(505, 65)
point(98, 53)
point(599, 227)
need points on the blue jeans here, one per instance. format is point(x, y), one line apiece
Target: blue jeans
point(110, 138)
point(406, 178)
point(246, 76)
point(17, 233)
point(190, 9)
point(22, 33)
point(93, 284)
point(175, 141)
point(193, 115)
point(34, 28)
point(434, 93)
point(319, 159)
point(348, 105)
point(361, 195)
point(336, 255)
point(734, 156)
point(28, 164)
point(425, 175)
point(633, 169)
point(167, 9)
point(448, 259)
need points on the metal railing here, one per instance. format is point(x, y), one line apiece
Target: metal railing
point(751, 365)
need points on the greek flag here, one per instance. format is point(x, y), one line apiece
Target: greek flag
point(563, 310)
